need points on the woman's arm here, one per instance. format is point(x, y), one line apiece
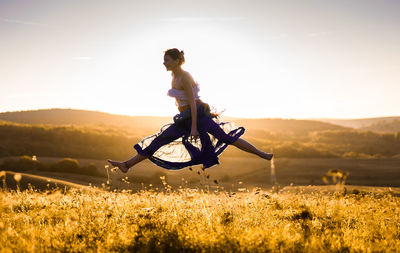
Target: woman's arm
point(187, 84)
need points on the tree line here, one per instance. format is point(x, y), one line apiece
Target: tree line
point(65, 165)
point(102, 143)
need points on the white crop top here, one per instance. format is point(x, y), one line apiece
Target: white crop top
point(180, 95)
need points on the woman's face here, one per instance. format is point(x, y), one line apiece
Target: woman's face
point(170, 63)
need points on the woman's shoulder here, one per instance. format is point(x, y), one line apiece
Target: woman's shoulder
point(185, 77)
point(189, 78)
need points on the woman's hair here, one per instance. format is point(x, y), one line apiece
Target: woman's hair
point(176, 55)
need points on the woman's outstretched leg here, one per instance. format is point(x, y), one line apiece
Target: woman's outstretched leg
point(213, 128)
point(246, 146)
point(170, 134)
point(124, 166)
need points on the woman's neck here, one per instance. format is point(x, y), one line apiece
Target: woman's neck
point(177, 72)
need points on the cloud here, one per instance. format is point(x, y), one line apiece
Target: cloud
point(203, 19)
point(286, 35)
point(314, 34)
point(23, 22)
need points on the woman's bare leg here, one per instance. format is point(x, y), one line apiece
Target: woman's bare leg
point(246, 146)
point(124, 166)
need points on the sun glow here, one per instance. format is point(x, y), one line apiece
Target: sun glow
point(260, 60)
point(242, 80)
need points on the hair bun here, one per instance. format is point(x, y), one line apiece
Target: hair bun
point(176, 54)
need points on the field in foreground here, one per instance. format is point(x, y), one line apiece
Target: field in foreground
point(192, 220)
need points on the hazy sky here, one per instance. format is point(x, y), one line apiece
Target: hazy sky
point(286, 59)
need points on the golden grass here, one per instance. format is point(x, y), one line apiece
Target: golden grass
point(192, 220)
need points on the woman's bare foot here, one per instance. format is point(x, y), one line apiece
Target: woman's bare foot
point(268, 156)
point(123, 166)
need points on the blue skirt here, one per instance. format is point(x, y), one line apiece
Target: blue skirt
point(172, 149)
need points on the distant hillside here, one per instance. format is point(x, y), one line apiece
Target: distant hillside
point(82, 117)
point(384, 126)
point(295, 139)
point(152, 124)
point(294, 126)
point(358, 123)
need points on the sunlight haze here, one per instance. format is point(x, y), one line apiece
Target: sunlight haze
point(261, 59)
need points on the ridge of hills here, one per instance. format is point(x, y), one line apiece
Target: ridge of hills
point(80, 117)
point(90, 135)
point(384, 126)
point(153, 123)
point(371, 124)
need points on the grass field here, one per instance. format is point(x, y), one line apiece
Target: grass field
point(155, 210)
point(296, 219)
point(196, 221)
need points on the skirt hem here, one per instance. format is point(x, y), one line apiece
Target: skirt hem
point(207, 162)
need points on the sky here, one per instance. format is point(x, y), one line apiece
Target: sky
point(253, 59)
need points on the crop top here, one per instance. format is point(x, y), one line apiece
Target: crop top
point(180, 95)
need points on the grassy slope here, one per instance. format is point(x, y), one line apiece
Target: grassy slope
point(194, 221)
point(251, 171)
point(41, 183)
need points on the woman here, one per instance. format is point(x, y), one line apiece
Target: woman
point(187, 142)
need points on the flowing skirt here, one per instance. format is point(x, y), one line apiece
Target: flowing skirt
point(172, 149)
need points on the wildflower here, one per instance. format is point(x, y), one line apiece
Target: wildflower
point(3, 177)
point(17, 177)
point(325, 179)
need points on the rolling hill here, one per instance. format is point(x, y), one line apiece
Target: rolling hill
point(360, 123)
point(384, 126)
point(97, 135)
point(58, 133)
point(82, 117)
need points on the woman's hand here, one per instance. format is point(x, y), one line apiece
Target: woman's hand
point(194, 134)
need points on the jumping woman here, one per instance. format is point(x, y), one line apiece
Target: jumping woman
point(187, 141)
